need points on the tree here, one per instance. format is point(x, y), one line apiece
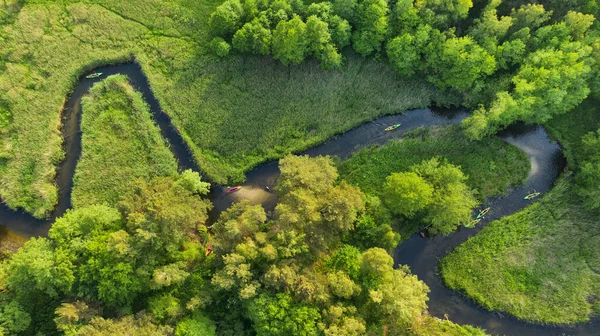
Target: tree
point(459, 64)
point(407, 193)
point(280, 315)
point(254, 37)
point(550, 82)
point(290, 41)
point(13, 318)
point(443, 14)
point(319, 43)
point(37, 267)
point(236, 223)
point(311, 203)
point(371, 26)
point(227, 18)
point(345, 8)
point(452, 199)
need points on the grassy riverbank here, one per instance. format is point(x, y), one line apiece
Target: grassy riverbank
point(120, 143)
point(541, 264)
point(492, 165)
point(10, 242)
point(234, 113)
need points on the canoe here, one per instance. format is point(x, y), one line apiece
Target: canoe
point(393, 127)
point(483, 213)
point(532, 196)
point(232, 190)
point(94, 75)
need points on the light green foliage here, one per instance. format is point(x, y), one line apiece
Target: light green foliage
point(290, 41)
point(254, 37)
point(38, 268)
point(460, 63)
point(164, 306)
point(407, 193)
point(71, 316)
point(226, 18)
point(452, 199)
point(120, 143)
point(220, 47)
point(311, 203)
point(347, 258)
point(196, 325)
point(127, 325)
point(530, 16)
point(510, 265)
point(550, 82)
point(443, 13)
point(371, 26)
point(280, 315)
point(320, 44)
point(239, 221)
point(346, 9)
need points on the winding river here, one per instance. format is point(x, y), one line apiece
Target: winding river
point(421, 254)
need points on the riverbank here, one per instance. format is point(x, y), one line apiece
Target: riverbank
point(541, 264)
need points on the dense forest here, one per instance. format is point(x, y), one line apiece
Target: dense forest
point(138, 255)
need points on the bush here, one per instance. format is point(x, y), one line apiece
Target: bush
point(220, 47)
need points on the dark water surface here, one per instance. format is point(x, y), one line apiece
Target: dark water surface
point(421, 254)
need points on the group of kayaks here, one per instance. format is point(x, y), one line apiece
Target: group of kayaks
point(482, 213)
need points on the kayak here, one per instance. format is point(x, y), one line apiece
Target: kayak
point(393, 127)
point(232, 190)
point(532, 196)
point(483, 213)
point(94, 75)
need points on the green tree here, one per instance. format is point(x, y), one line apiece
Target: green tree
point(227, 18)
point(407, 193)
point(128, 325)
point(290, 41)
point(254, 37)
point(319, 43)
point(452, 200)
point(13, 318)
point(346, 9)
point(280, 315)
point(196, 325)
point(371, 26)
point(241, 220)
point(443, 13)
point(459, 64)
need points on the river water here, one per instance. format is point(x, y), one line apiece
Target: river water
point(421, 254)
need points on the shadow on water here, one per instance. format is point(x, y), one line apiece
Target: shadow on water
point(421, 254)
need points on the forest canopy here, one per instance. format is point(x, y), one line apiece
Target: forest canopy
point(523, 64)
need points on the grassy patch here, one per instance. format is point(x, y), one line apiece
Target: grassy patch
point(10, 242)
point(492, 165)
point(539, 264)
point(120, 143)
point(233, 113)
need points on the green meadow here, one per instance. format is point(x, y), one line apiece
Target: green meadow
point(120, 144)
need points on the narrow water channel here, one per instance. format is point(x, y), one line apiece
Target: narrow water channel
point(421, 254)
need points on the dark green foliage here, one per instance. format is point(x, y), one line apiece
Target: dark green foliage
point(371, 26)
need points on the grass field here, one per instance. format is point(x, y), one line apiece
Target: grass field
point(120, 143)
point(492, 165)
point(233, 113)
point(543, 263)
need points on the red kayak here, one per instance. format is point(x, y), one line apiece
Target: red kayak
point(232, 190)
